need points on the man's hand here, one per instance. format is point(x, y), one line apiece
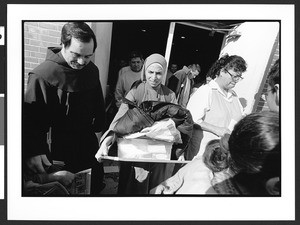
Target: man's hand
point(38, 163)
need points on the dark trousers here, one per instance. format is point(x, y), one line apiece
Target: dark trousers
point(97, 177)
point(140, 178)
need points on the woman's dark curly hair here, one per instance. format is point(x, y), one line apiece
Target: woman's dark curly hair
point(235, 62)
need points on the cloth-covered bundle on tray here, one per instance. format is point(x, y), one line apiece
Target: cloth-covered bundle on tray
point(144, 116)
point(153, 142)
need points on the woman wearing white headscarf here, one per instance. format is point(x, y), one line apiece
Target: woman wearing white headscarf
point(150, 89)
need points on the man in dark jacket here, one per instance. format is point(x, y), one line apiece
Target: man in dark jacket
point(182, 83)
point(64, 95)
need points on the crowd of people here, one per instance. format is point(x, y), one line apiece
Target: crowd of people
point(229, 152)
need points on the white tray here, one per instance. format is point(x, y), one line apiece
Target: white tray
point(113, 158)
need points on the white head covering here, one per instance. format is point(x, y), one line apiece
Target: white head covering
point(154, 58)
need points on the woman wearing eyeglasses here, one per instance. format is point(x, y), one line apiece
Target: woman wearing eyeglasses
point(215, 107)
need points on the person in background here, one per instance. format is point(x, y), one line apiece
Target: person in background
point(183, 81)
point(128, 76)
point(124, 67)
point(215, 107)
point(272, 93)
point(123, 63)
point(196, 86)
point(64, 93)
point(247, 162)
point(172, 69)
point(137, 178)
point(208, 79)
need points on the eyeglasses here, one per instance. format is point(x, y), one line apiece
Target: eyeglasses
point(234, 77)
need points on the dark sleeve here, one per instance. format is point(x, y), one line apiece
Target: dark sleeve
point(173, 83)
point(99, 121)
point(181, 77)
point(35, 118)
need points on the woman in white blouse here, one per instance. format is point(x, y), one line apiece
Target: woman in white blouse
point(215, 107)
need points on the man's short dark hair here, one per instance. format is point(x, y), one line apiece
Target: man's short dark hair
point(78, 30)
point(274, 74)
point(135, 54)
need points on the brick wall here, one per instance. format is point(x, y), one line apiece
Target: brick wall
point(37, 37)
point(262, 105)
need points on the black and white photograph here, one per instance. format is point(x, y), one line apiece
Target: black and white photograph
point(121, 116)
point(189, 119)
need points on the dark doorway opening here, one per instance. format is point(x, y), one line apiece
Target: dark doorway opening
point(146, 36)
point(195, 45)
point(199, 45)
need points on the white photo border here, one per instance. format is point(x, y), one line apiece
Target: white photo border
point(149, 208)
